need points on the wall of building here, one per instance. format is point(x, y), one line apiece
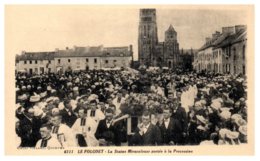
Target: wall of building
point(217, 60)
point(42, 66)
point(77, 63)
point(111, 62)
point(234, 63)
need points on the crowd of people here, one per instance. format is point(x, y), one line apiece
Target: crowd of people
point(126, 108)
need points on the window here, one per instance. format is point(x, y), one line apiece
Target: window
point(30, 62)
point(69, 60)
point(244, 52)
point(59, 61)
point(106, 61)
point(114, 61)
point(244, 69)
point(226, 68)
point(49, 61)
point(95, 60)
point(234, 53)
point(25, 62)
point(49, 70)
point(87, 60)
point(36, 62)
point(30, 71)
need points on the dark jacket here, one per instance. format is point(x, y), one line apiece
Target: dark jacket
point(172, 133)
point(110, 134)
point(68, 118)
point(181, 116)
point(151, 137)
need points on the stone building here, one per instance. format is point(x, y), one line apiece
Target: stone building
point(35, 62)
point(224, 52)
point(74, 59)
point(150, 51)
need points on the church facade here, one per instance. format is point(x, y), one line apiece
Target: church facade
point(151, 52)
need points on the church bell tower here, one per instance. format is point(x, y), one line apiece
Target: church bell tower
point(147, 36)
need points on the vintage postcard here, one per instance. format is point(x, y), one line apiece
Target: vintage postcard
point(129, 80)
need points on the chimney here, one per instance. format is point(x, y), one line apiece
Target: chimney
point(56, 49)
point(23, 51)
point(216, 35)
point(207, 39)
point(228, 30)
point(131, 48)
point(240, 27)
point(67, 48)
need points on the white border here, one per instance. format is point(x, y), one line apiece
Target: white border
point(257, 68)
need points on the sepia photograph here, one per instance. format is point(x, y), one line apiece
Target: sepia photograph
point(129, 79)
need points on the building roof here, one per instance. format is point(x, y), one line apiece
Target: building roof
point(171, 28)
point(224, 39)
point(96, 51)
point(232, 39)
point(36, 56)
point(80, 52)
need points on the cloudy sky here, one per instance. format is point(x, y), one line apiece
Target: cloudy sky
point(44, 28)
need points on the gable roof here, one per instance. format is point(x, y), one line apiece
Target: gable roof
point(232, 39)
point(225, 39)
point(36, 56)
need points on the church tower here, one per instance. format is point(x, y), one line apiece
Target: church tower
point(147, 36)
point(171, 52)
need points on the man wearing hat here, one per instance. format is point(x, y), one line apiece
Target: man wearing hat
point(34, 99)
point(214, 118)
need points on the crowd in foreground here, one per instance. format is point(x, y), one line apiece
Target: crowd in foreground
point(129, 108)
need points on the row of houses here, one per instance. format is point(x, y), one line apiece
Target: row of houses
point(224, 52)
point(74, 59)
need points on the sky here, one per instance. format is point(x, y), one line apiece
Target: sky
point(45, 28)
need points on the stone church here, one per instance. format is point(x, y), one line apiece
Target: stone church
point(151, 52)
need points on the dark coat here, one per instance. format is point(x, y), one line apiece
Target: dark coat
point(111, 134)
point(26, 134)
point(151, 137)
point(181, 116)
point(172, 133)
point(68, 118)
